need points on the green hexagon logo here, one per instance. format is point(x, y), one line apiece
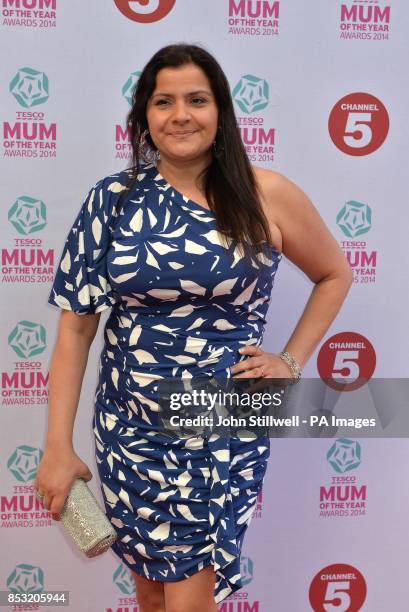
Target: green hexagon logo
point(27, 339)
point(127, 89)
point(23, 462)
point(123, 579)
point(28, 215)
point(354, 219)
point(26, 579)
point(251, 94)
point(29, 87)
point(344, 455)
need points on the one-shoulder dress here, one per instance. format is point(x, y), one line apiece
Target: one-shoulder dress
point(182, 303)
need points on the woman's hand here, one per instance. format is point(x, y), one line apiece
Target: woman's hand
point(260, 365)
point(58, 470)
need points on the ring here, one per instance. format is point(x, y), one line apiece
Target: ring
point(40, 497)
point(262, 373)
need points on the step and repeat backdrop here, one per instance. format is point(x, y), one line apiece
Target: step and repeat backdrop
point(321, 95)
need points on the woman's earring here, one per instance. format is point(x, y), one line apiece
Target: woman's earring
point(148, 155)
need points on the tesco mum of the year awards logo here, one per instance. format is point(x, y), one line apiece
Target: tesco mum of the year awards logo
point(19, 506)
point(29, 13)
point(25, 578)
point(123, 148)
point(346, 361)
point(145, 11)
point(26, 383)
point(343, 495)
point(358, 124)
point(253, 17)
point(354, 220)
point(251, 95)
point(364, 20)
point(29, 134)
point(27, 261)
point(339, 587)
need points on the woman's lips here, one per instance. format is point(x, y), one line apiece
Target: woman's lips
point(183, 134)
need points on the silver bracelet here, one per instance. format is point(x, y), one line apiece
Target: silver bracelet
point(292, 364)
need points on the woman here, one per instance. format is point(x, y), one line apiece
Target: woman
point(185, 251)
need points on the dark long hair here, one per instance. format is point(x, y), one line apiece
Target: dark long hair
point(229, 183)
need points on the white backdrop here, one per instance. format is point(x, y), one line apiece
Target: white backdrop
point(298, 72)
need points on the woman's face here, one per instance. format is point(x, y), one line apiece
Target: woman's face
point(182, 114)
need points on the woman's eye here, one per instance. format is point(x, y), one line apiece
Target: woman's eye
point(195, 101)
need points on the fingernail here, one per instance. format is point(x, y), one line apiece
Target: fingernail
point(241, 349)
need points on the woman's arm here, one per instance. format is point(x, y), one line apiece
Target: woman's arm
point(306, 242)
point(309, 244)
point(321, 309)
point(67, 368)
point(60, 465)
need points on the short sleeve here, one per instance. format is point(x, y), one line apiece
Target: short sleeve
point(81, 280)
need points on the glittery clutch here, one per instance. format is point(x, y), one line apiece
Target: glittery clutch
point(85, 522)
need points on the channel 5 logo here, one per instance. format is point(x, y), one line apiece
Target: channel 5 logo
point(145, 11)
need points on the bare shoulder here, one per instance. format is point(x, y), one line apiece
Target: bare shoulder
point(279, 192)
point(267, 178)
point(283, 202)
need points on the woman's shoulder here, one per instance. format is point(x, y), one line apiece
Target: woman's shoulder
point(271, 182)
point(280, 193)
point(123, 179)
point(102, 197)
point(115, 182)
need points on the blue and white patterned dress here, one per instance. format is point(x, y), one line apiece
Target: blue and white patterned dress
point(183, 303)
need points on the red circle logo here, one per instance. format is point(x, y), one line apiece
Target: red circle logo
point(338, 587)
point(346, 361)
point(358, 124)
point(145, 11)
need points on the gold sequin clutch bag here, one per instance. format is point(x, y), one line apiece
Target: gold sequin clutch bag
point(85, 522)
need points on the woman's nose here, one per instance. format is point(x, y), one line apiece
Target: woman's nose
point(181, 111)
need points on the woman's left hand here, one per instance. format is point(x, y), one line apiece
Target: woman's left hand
point(260, 364)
